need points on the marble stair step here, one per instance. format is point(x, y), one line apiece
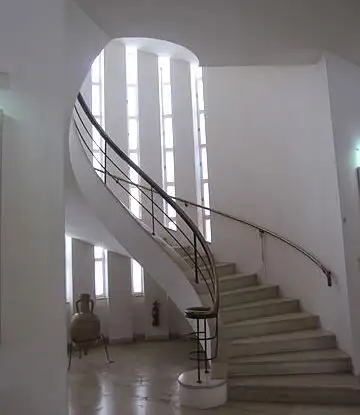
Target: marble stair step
point(281, 323)
point(257, 309)
point(283, 342)
point(303, 362)
point(229, 282)
point(331, 389)
point(248, 294)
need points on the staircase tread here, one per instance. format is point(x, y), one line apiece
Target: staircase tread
point(218, 264)
point(290, 357)
point(269, 319)
point(304, 381)
point(296, 335)
point(237, 275)
point(260, 303)
point(225, 278)
point(248, 289)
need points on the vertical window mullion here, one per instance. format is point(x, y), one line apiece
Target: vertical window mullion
point(202, 148)
point(97, 96)
point(167, 139)
point(137, 272)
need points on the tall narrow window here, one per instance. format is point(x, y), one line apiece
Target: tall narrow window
point(68, 268)
point(133, 127)
point(167, 140)
point(205, 219)
point(100, 256)
point(97, 107)
point(137, 278)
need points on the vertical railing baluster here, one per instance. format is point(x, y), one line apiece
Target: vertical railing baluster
point(196, 261)
point(152, 211)
point(262, 249)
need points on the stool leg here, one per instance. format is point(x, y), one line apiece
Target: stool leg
point(198, 350)
point(206, 355)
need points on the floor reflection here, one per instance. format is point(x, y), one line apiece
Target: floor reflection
point(143, 381)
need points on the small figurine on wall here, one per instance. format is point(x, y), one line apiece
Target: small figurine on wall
point(155, 312)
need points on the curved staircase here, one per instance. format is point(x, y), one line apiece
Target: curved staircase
point(277, 352)
point(274, 351)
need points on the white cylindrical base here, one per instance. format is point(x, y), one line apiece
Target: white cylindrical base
point(210, 393)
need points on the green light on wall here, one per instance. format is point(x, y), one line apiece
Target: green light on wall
point(357, 160)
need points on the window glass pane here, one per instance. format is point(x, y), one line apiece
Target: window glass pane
point(99, 278)
point(131, 66)
point(134, 204)
point(168, 133)
point(68, 267)
point(137, 277)
point(164, 69)
point(133, 133)
point(166, 99)
point(134, 177)
point(132, 101)
point(95, 70)
point(172, 225)
point(170, 190)
point(97, 139)
point(98, 252)
point(204, 166)
point(202, 128)
point(199, 72)
point(200, 93)
point(171, 212)
point(134, 157)
point(169, 166)
point(95, 100)
point(208, 230)
point(206, 194)
point(97, 161)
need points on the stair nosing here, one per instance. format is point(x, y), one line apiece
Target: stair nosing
point(269, 319)
point(258, 303)
point(256, 287)
point(314, 333)
point(302, 381)
point(322, 355)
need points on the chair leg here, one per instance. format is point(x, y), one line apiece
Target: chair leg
point(106, 349)
point(70, 354)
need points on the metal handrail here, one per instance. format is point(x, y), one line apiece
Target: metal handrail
point(264, 231)
point(155, 187)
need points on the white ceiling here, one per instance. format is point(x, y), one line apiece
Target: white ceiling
point(238, 32)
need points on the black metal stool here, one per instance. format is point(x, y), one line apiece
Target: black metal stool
point(204, 314)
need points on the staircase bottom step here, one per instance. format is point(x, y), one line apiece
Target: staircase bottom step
point(304, 389)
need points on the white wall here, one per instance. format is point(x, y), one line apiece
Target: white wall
point(271, 161)
point(44, 51)
point(344, 87)
point(83, 271)
point(32, 286)
point(120, 298)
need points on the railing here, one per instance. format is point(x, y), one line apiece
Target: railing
point(121, 175)
point(262, 232)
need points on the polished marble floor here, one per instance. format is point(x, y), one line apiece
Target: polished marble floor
point(142, 381)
